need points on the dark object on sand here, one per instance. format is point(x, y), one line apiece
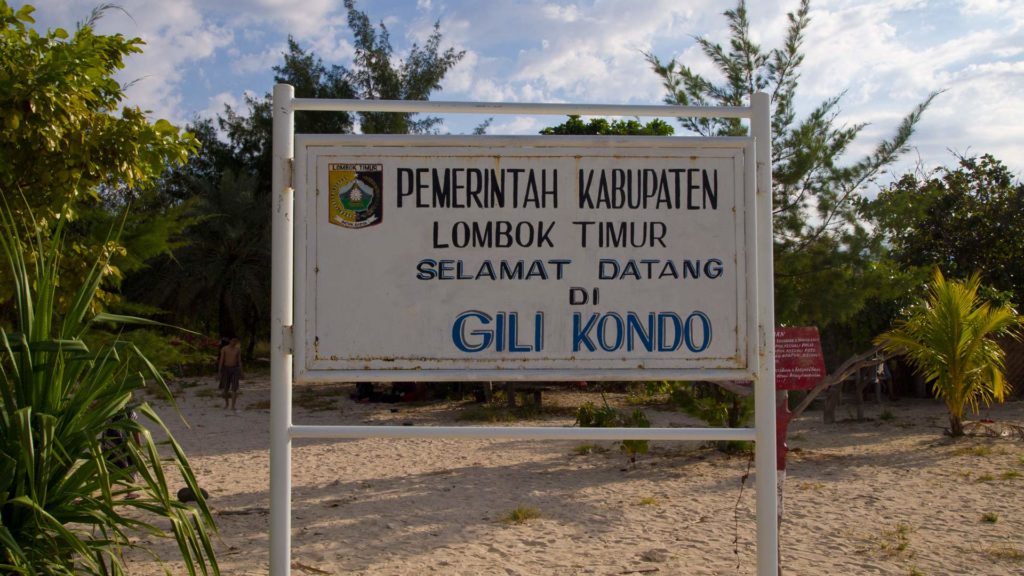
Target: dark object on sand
point(187, 495)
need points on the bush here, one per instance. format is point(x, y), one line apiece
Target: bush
point(66, 506)
point(588, 415)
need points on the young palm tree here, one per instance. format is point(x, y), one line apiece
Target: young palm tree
point(69, 504)
point(949, 340)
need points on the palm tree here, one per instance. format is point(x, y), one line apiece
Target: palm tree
point(68, 503)
point(948, 338)
point(222, 273)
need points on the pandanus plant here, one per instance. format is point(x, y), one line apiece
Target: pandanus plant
point(67, 504)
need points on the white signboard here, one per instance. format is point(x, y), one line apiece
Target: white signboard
point(625, 258)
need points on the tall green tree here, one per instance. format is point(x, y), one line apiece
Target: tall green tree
point(825, 264)
point(223, 271)
point(949, 339)
point(963, 220)
point(69, 146)
point(61, 140)
point(376, 76)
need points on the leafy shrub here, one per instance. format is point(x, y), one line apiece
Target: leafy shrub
point(715, 406)
point(588, 415)
point(66, 506)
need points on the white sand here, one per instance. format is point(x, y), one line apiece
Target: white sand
point(883, 497)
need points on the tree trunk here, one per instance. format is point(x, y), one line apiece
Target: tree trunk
point(956, 425)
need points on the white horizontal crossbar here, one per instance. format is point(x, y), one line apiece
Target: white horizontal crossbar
point(437, 107)
point(514, 432)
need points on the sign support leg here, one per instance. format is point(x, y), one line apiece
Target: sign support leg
point(764, 387)
point(282, 270)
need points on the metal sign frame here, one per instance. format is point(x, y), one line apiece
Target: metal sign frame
point(760, 316)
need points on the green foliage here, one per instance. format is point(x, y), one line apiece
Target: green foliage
point(218, 279)
point(715, 406)
point(712, 404)
point(636, 419)
point(169, 354)
point(522, 514)
point(601, 127)
point(66, 507)
point(589, 415)
point(826, 265)
point(963, 220)
point(59, 137)
point(376, 76)
point(69, 146)
point(222, 274)
point(948, 339)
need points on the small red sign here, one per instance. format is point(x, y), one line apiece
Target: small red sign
point(799, 363)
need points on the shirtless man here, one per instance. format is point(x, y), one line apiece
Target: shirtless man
point(229, 366)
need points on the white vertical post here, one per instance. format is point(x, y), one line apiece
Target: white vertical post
point(282, 270)
point(764, 388)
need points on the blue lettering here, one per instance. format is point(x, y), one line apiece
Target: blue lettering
point(459, 332)
point(705, 331)
point(677, 327)
point(602, 331)
point(636, 330)
point(581, 334)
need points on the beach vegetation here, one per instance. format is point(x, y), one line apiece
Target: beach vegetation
point(218, 278)
point(648, 501)
point(1010, 475)
point(957, 218)
point(497, 411)
point(990, 517)
point(985, 477)
point(1005, 552)
point(522, 515)
point(589, 415)
point(949, 339)
point(71, 503)
point(586, 449)
point(895, 540)
point(979, 450)
point(715, 406)
point(72, 148)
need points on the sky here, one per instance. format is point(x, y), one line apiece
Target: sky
point(884, 56)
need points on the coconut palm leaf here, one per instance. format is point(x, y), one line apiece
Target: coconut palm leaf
point(948, 339)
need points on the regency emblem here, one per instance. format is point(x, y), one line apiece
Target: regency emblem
point(356, 198)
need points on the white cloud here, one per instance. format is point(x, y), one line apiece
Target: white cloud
point(888, 55)
point(259, 61)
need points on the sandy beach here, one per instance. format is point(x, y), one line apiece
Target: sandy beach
point(890, 495)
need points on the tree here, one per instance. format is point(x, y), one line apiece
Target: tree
point(962, 220)
point(825, 265)
point(374, 75)
point(60, 142)
point(601, 127)
point(220, 279)
point(63, 148)
point(223, 271)
point(948, 339)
